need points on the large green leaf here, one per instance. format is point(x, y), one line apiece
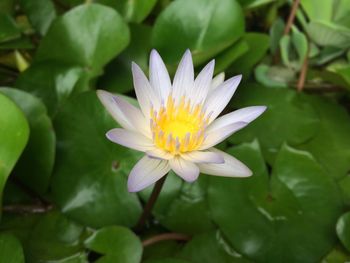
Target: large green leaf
point(53, 237)
point(117, 244)
point(210, 247)
point(14, 133)
point(41, 13)
point(39, 154)
point(343, 230)
point(292, 212)
point(204, 26)
point(288, 118)
point(331, 144)
point(258, 44)
point(132, 11)
point(50, 81)
point(117, 76)
point(177, 200)
point(8, 28)
point(10, 249)
point(89, 36)
point(89, 181)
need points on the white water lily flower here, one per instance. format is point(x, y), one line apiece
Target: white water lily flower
point(176, 124)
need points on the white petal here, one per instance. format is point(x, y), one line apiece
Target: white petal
point(202, 83)
point(220, 97)
point(231, 167)
point(159, 76)
point(247, 115)
point(203, 157)
point(144, 92)
point(159, 154)
point(185, 169)
point(130, 139)
point(114, 109)
point(221, 134)
point(134, 116)
point(217, 80)
point(184, 76)
point(146, 172)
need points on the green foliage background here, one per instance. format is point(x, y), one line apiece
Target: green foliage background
point(63, 184)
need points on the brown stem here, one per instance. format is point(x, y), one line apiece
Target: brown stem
point(24, 209)
point(277, 57)
point(291, 17)
point(303, 72)
point(164, 237)
point(150, 203)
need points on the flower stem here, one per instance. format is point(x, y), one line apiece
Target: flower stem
point(150, 203)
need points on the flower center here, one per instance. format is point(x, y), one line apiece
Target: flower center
point(178, 128)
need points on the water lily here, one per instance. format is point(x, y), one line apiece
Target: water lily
point(177, 125)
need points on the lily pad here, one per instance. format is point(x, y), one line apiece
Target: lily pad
point(343, 230)
point(288, 118)
point(89, 180)
point(117, 244)
point(292, 212)
point(11, 250)
point(14, 133)
point(204, 26)
point(39, 154)
point(89, 36)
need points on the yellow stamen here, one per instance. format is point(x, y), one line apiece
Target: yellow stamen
point(178, 128)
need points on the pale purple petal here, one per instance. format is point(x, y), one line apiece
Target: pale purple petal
point(134, 116)
point(185, 169)
point(247, 115)
point(130, 139)
point(203, 157)
point(230, 168)
point(114, 109)
point(202, 84)
point(146, 172)
point(159, 76)
point(144, 92)
point(220, 97)
point(159, 154)
point(217, 136)
point(184, 76)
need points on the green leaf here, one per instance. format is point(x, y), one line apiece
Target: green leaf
point(292, 212)
point(41, 13)
point(331, 145)
point(329, 34)
point(177, 200)
point(10, 249)
point(53, 237)
point(167, 260)
point(89, 36)
point(132, 11)
point(258, 45)
point(343, 230)
point(274, 76)
point(39, 154)
point(336, 255)
point(117, 76)
point(52, 82)
point(288, 118)
point(229, 55)
point(344, 185)
point(14, 133)
point(8, 28)
point(210, 247)
point(206, 27)
point(89, 182)
point(276, 33)
point(317, 10)
point(117, 244)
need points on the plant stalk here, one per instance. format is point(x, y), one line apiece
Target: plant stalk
point(150, 203)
